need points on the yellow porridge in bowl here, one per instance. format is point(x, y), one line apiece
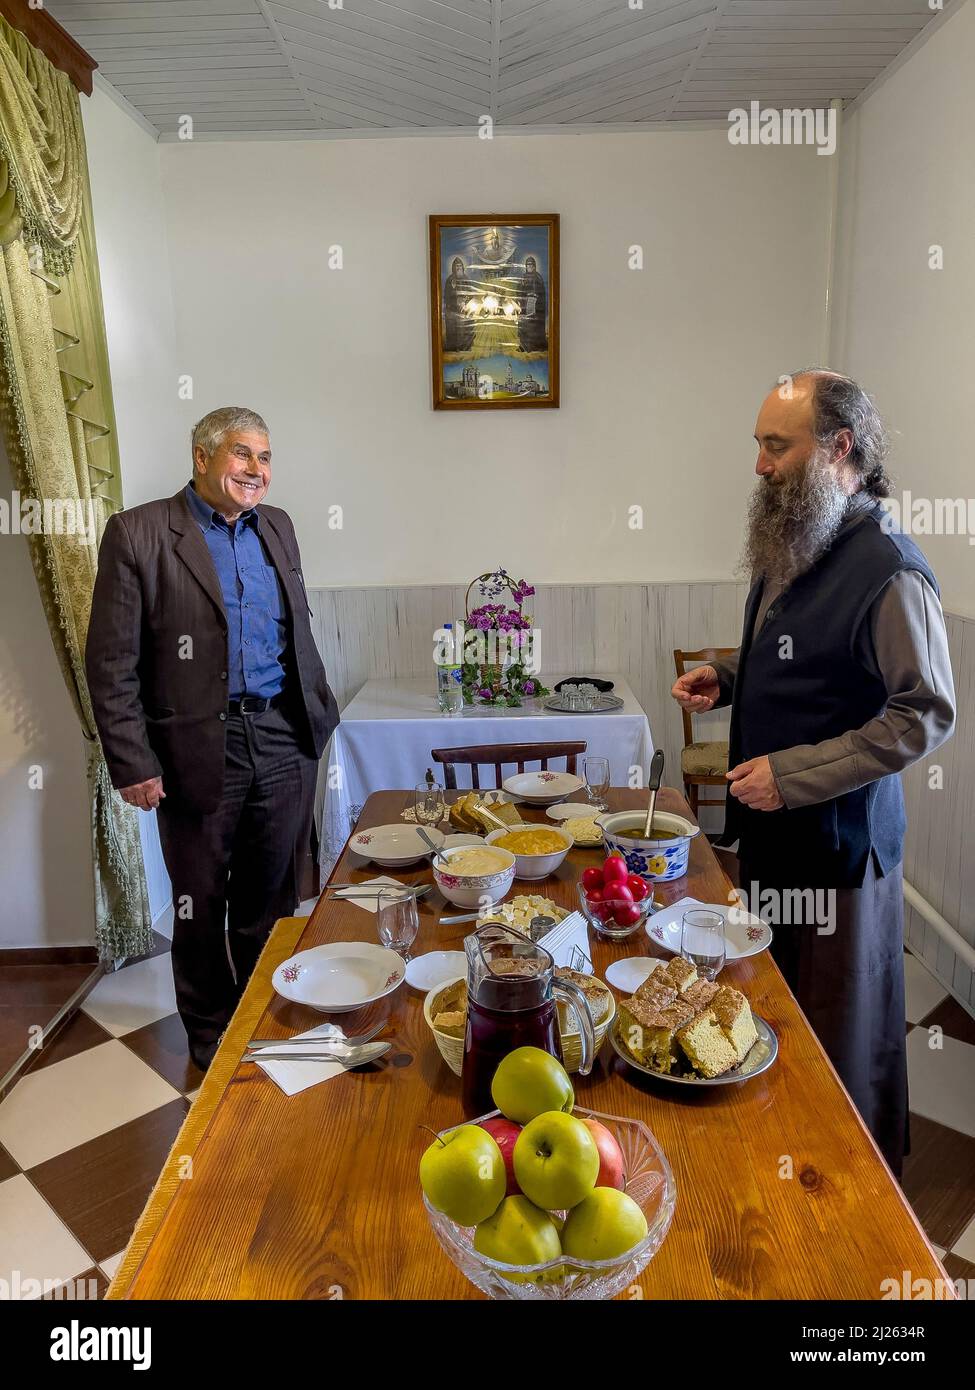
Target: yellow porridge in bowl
point(540, 841)
point(474, 861)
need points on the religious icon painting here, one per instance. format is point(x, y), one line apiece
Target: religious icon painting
point(494, 305)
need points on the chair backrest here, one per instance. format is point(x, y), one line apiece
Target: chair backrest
point(483, 754)
point(704, 657)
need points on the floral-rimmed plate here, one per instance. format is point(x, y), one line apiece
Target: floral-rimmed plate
point(542, 788)
point(339, 977)
point(393, 845)
point(744, 933)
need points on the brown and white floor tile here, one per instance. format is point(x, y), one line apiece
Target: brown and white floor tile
point(163, 1046)
point(922, 991)
point(69, 1103)
point(133, 996)
point(34, 1243)
point(99, 1188)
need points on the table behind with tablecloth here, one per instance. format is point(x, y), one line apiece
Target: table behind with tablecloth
point(390, 726)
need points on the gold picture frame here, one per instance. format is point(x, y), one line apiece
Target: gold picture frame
point(494, 310)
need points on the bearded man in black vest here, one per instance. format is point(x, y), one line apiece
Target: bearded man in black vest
point(841, 681)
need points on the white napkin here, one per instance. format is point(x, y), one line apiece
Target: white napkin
point(370, 904)
point(293, 1077)
point(571, 931)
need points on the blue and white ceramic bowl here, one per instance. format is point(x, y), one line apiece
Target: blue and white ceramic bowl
point(659, 860)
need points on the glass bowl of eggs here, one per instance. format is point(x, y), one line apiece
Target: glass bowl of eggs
point(538, 849)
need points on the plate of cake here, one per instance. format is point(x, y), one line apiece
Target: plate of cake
point(691, 1031)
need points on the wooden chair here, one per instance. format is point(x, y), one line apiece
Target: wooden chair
point(701, 764)
point(483, 754)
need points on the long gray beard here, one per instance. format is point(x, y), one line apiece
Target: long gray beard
point(791, 524)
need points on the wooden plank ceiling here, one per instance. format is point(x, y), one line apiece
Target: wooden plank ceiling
point(378, 65)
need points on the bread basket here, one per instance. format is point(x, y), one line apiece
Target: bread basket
point(452, 1049)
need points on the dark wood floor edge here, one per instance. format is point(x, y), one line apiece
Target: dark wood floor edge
point(61, 1019)
point(48, 955)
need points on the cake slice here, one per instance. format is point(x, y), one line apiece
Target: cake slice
point(658, 989)
point(648, 1031)
point(682, 974)
point(705, 1045)
point(699, 995)
point(734, 1017)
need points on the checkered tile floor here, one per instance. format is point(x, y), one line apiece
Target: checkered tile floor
point(84, 1134)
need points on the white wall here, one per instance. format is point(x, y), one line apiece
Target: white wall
point(904, 330)
point(130, 228)
point(45, 844)
point(662, 369)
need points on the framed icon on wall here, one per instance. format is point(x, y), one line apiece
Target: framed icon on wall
point(494, 311)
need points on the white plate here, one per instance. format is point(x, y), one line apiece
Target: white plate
point(393, 845)
point(565, 809)
point(628, 974)
point(462, 839)
point(745, 934)
point(435, 968)
point(340, 977)
point(542, 788)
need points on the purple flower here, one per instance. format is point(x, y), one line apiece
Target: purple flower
point(528, 688)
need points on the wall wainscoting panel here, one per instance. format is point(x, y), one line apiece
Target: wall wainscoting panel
point(633, 629)
point(939, 857)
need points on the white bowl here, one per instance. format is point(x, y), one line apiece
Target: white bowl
point(393, 845)
point(339, 977)
point(536, 865)
point(473, 890)
point(433, 969)
point(544, 787)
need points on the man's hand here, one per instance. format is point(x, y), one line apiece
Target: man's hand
point(697, 690)
point(753, 783)
point(145, 795)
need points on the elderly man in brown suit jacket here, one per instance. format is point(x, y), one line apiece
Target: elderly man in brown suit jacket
point(212, 705)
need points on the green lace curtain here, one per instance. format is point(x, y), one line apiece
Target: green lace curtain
point(58, 421)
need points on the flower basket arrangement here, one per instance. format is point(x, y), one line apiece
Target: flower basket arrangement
point(496, 672)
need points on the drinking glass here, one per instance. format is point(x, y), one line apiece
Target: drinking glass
point(397, 921)
point(428, 802)
point(702, 941)
point(596, 772)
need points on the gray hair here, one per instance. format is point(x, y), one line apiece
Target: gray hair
point(840, 403)
point(209, 433)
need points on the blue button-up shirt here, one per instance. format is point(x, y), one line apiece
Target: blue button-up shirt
point(252, 596)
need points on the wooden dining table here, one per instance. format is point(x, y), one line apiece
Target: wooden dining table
point(781, 1191)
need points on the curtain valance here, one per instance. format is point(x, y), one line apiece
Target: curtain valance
point(42, 153)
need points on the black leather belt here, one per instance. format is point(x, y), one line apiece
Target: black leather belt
point(253, 704)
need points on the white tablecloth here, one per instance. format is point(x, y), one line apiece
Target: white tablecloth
point(388, 729)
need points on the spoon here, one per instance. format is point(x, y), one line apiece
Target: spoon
point(437, 854)
point(653, 782)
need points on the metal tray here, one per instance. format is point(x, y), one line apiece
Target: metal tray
point(603, 704)
point(759, 1059)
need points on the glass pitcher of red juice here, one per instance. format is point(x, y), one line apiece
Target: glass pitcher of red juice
point(512, 991)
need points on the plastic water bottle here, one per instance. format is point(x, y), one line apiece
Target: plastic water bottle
point(450, 694)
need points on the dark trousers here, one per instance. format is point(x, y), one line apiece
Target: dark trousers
point(850, 986)
point(234, 871)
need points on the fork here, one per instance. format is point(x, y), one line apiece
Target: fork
point(358, 1041)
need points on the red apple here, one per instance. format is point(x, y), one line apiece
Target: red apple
point(614, 871)
point(610, 1155)
point(504, 1133)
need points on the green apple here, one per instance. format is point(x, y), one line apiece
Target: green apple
point(556, 1160)
point(529, 1081)
point(518, 1233)
point(463, 1175)
point(605, 1224)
